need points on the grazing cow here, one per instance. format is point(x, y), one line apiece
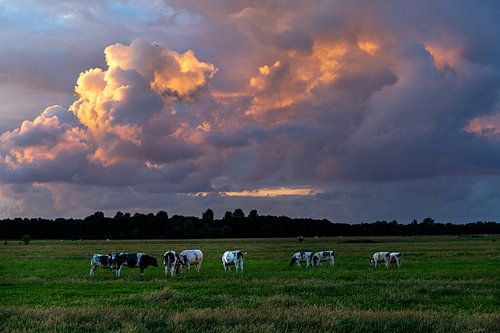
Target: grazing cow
point(190, 257)
point(170, 259)
point(380, 257)
point(132, 260)
point(100, 260)
point(395, 258)
point(230, 258)
point(321, 256)
point(299, 257)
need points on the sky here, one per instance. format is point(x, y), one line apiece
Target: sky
point(354, 111)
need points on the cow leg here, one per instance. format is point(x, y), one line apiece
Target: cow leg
point(119, 272)
point(92, 270)
point(198, 266)
point(189, 267)
point(142, 270)
point(241, 266)
point(298, 263)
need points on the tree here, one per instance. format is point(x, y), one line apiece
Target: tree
point(26, 239)
point(253, 214)
point(162, 215)
point(428, 221)
point(118, 215)
point(208, 216)
point(238, 214)
point(97, 216)
point(228, 216)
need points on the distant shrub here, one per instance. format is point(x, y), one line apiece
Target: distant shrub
point(300, 239)
point(366, 240)
point(26, 239)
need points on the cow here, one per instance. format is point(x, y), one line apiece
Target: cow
point(132, 260)
point(321, 256)
point(380, 257)
point(190, 257)
point(299, 257)
point(170, 259)
point(396, 258)
point(230, 258)
point(100, 260)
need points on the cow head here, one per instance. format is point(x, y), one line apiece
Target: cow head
point(180, 261)
point(372, 262)
point(116, 261)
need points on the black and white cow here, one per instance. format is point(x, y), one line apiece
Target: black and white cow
point(230, 258)
point(100, 260)
point(170, 260)
point(190, 257)
point(321, 256)
point(299, 257)
point(132, 260)
point(379, 257)
point(396, 258)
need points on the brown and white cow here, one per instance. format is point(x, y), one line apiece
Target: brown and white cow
point(188, 258)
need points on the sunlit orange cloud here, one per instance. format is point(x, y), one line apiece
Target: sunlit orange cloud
point(275, 192)
point(487, 126)
point(192, 75)
point(369, 47)
point(444, 58)
point(327, 55)
point(286, 82)
point(71, 142)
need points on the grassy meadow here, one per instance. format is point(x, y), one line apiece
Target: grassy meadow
point(446, 284)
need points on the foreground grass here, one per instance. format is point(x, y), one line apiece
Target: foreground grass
point(446, 284)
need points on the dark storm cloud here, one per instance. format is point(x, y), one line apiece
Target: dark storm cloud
point(364, 101)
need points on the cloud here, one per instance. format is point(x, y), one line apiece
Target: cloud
point(230, 96)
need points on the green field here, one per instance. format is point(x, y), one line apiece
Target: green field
point(446, 284)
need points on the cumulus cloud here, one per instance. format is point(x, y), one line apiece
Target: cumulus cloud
point(335, 92)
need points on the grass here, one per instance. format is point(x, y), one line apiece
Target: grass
point(446, 284)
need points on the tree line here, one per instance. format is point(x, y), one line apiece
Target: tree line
point(233, 224)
